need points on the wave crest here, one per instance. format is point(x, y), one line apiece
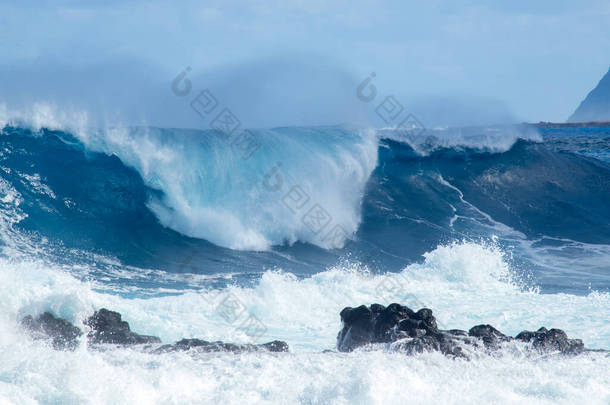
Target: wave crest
point(301, 184)
point(492, 139)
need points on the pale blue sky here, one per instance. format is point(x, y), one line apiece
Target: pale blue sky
point(298, 62)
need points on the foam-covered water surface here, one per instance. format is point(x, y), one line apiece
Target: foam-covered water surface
point(464, 283)
point(502, 228)
point(365, 378)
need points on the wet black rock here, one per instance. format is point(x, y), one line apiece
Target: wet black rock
point(60, 333)
point(108, 327)
point(552, 340)
point(441, 341)
point(416, 332)
point(205, 346)
point(378, 324)
point(491, 337)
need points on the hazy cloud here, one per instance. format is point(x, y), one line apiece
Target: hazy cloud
point(296, 62)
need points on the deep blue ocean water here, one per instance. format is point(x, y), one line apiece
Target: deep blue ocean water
point(544, 201)
point(507, 225)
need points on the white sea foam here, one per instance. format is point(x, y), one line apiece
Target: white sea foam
point(45, 114)
point(465, 284)
point(488, 139)
point(211, 190)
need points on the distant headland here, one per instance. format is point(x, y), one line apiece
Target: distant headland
point(596, 106)
point(593, 111)
point(586, 124)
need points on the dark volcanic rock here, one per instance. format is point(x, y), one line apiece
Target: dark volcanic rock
point(107, 327)
point(360, 331)
point(205, 346)
point(378, 324)
point(417, 332)
point(277, 346)
point(552, 340)
point(441, 341)
point(491, 337)
point(61, 333)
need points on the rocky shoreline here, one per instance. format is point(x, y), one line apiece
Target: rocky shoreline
point(562, 125)
point(108, 327)
point(395, 327)
point(413, 332)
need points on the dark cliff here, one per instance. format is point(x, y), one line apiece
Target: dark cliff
point(596, 106)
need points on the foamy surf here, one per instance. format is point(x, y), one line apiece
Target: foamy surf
point(465, 284)
point(396, 204)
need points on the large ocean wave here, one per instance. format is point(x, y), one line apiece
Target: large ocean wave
point(190, 201)
point(162, 224)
